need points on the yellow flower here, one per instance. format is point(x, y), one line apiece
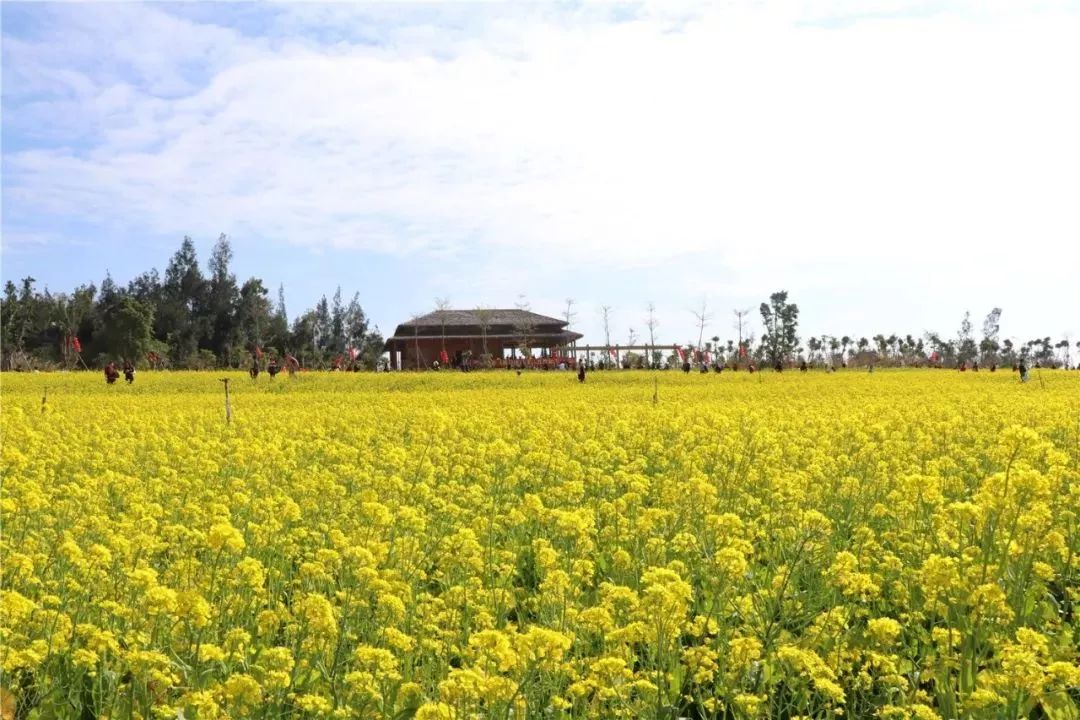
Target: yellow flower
point(884, 631)
point(435, 711)
point(242, 692)
point(223, 535)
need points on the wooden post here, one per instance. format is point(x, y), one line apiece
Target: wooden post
point(228, 406)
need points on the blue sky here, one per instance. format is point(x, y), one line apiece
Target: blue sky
point(891, 164)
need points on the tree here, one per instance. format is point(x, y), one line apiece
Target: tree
point(781, 321)
point(703, 317)
point(253, 318)
point(337, 323)
point(740, 321)
point(415, 320)
point(180, 319)
point(651, 322)
point(880, 344)
point(485, 316)
point(946, 350)
point(126, 329)
point(222, 294)
point(523, 325)
point(192, 317)
point(278, 327)
point(1008, 355)
point(19, 321)
point(965, 343)
point(605, 321)
point(442, 308)
point(988, 346)
point(68, 314)
point(356, 324)
point(322, 326)
point(304, 336)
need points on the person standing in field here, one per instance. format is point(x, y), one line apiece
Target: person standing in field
point(1023, 371)
point(254, 371)
point(111, 373)
point(291, 364)
point(129, 372)
point(581, 373)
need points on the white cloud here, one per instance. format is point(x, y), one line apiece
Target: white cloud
point(782, 149)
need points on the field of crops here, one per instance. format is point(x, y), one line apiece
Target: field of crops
point(901, 544)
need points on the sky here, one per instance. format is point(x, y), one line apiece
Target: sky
point(890, 164)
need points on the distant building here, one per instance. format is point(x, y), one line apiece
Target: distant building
point(505, 332)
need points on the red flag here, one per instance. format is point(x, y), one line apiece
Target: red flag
point(444, 359)
point(613, 353)
point(742, 351)
point(258, 352)
point(682, 353)
point(75, 344)
point(353, 352)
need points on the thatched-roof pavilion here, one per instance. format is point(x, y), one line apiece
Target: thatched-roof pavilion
point(424, 339)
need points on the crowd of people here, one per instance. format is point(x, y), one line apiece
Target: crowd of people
point(466, 364)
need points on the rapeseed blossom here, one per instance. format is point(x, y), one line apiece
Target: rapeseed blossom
point(895, 545)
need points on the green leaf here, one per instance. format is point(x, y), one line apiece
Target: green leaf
point(1059, 706)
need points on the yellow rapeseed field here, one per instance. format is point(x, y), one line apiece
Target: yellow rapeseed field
point(902, 544)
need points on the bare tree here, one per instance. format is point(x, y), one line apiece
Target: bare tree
point(605, 320)
point(523, 326)
point(739, 324)
point(632, 338)
point(442, 307)
point(703, 318)
point(415, 320)
point(569, 314)
point(484, 318)
point(652, 323)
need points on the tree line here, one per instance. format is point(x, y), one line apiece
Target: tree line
point(780, 342)
point(187, 319)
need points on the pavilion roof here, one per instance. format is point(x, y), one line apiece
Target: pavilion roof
point(496, 316)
